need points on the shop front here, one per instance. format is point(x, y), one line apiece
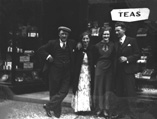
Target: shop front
point(27, 24)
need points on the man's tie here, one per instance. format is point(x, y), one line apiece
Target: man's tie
point(63, 47)
point(120, 42)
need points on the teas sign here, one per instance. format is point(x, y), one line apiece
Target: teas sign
point(130, 15)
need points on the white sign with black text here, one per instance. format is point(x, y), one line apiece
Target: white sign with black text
point(130, 15)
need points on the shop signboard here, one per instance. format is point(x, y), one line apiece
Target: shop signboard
point(130, 15)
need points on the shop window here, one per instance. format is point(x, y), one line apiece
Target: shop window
point(20, 66)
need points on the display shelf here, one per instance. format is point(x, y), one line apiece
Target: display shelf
point(146, 84)
point(22, 88)
point(22, 76)
point(5, 83)
point(25, 81)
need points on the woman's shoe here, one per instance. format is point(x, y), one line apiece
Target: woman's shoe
point(98, 113)
point(114, 116)
point(106, 114)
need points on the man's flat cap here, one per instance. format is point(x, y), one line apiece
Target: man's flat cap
point(64, 28)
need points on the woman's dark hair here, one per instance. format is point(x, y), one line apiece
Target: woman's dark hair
point(107, 28)
point(85, 33)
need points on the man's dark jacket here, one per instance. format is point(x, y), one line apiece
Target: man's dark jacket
point(50, 49)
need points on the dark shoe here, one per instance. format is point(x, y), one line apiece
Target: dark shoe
point(98, 113)
point(117, 116)
point(47, 111)
point(114, 116)
point(106, 114)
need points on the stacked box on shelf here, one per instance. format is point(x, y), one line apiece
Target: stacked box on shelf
point(29, 72)
point(26, 62)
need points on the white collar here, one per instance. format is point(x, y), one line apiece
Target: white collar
point(122, 39)
point(61, 42)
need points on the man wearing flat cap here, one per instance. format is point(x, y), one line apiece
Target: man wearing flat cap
point(59, 56)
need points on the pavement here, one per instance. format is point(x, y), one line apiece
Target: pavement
point(41, 98)
point(29, 106)
point(11, 109)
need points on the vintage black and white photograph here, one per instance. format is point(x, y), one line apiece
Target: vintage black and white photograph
point(78, 59)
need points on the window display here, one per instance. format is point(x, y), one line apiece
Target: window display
point(19, 65)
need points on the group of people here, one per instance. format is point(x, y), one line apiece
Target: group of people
point(93, 70)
